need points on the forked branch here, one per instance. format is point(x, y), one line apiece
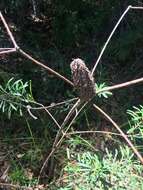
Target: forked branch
point(26, 55)
point(56, 141)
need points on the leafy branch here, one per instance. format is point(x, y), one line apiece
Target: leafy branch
point(14, 96)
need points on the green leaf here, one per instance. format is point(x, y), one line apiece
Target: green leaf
point(13, 95)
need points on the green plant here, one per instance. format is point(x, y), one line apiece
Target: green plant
point(100, 87)
point(22, 176)
point(136, 114)
point(136, 124)
point(87, 171)
point(14, 95)
point(136, 121)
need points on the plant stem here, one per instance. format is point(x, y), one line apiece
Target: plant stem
point(139, 156)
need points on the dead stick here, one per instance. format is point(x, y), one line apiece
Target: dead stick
point(5, 49)
point(117, 86)
point(30, 57)
point(66, 120)
point(101, 132)
point(59, 142)
point(121, 132)
point(112, 33)
point(8, 51)
point(8, 31)
point(56, 143)
point(44, 66)
point(53, 105)
point(86, 132)
point(42, 106)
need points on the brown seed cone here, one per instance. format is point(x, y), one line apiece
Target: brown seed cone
point(82, 79)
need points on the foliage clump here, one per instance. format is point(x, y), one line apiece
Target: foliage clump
point(87, 171)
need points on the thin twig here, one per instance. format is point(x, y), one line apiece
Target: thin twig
point(8, 51)
point(30, 113)
point(61, 139)
point(117, 86)
point(46, 109)
point(54, 147)
point(139, 156)
point(53, 105)
point(52, 117)
point(111, 34)
point(59, 142)
point(8, 31)
point(29, 56)
point(101, 132)
point(44, 66)
point(55, 121)
point(65, 121)
point(139, 8)
point(3, 49)
point(86, 132)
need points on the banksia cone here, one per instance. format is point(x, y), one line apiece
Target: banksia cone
point(82, 79)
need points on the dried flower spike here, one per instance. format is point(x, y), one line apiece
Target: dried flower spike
point(82, 79)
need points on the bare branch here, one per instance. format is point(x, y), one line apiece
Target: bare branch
point(101, 132)
point(30, 57)
point(86, 132)
point(134, 7)
point(53, 105)
point(55, 121)
point(56, 141)
point(42, 106)
point(59, 142)
point(44, 66)
point(8, 31)
point(30, 113)
point(3, 49)
point(111, 34)
point(8, 51)
point(122, 85)
point(121, 132)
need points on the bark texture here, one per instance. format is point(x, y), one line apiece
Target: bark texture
point(82, 79)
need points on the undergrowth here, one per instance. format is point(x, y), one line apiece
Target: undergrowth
point(87, 170)
point(83, 162)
